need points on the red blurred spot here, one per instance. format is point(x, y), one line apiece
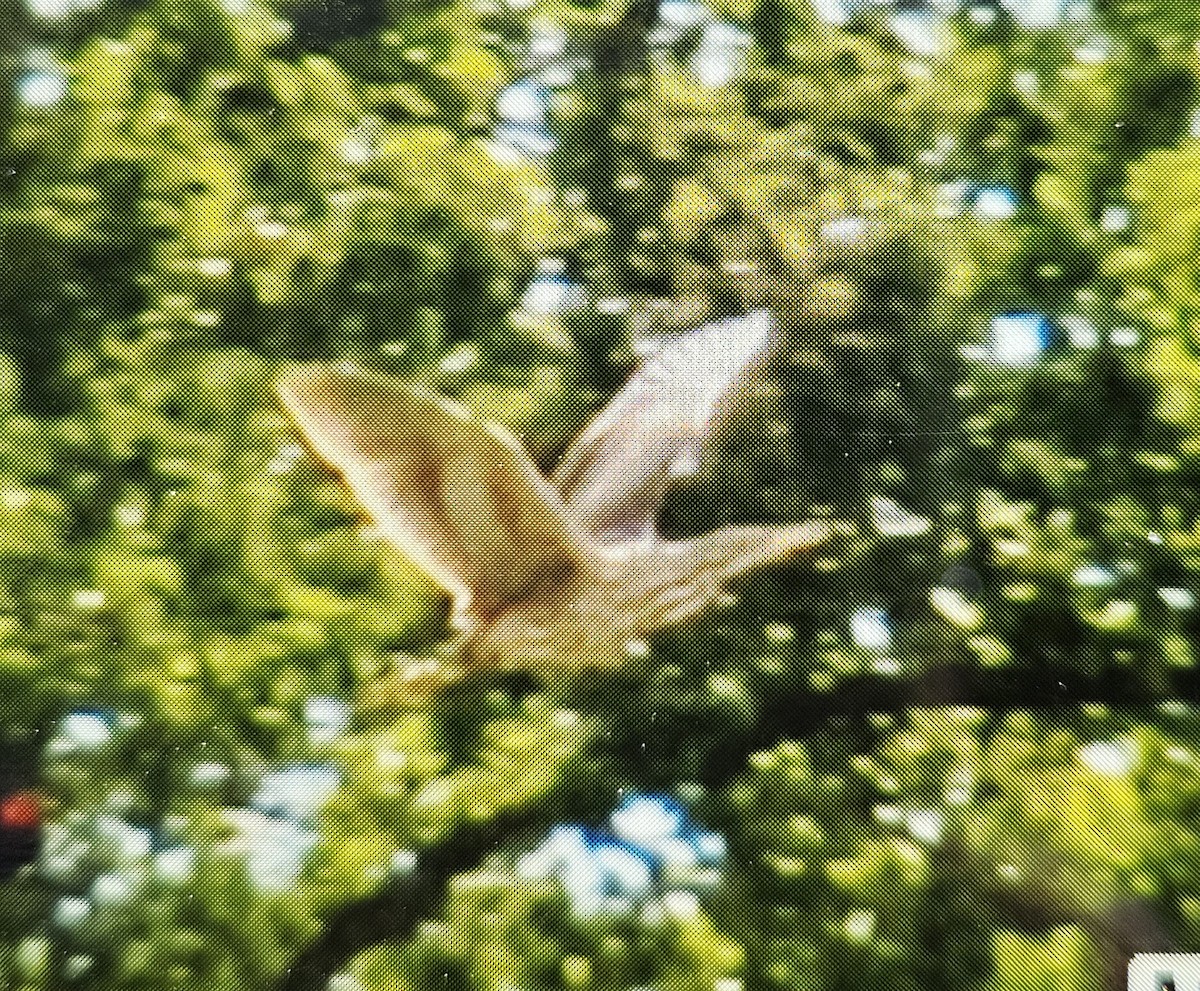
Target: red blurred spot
point(20, 810)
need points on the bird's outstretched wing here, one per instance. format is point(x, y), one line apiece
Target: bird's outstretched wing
point(459, 496)
point(615, 476)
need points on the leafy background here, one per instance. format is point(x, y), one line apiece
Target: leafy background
point(959, 751)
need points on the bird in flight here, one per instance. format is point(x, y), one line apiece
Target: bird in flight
point(566, 572)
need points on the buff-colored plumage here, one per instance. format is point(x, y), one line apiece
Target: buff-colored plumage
point(569, 574)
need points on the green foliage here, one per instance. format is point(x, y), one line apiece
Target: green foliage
point(1061, 959)
point(946, 826)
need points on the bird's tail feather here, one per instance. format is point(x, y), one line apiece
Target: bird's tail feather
point(672, 581)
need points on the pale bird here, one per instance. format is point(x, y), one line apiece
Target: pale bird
point(567, 572)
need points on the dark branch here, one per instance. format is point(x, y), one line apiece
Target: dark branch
point(393, 912)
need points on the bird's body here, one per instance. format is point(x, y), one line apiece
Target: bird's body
point(603, 610)
point(548, 574)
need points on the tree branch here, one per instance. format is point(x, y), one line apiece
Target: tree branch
point(584, 790)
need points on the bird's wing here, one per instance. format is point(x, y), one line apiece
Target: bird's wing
point(615, 476)
point(459, 496)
